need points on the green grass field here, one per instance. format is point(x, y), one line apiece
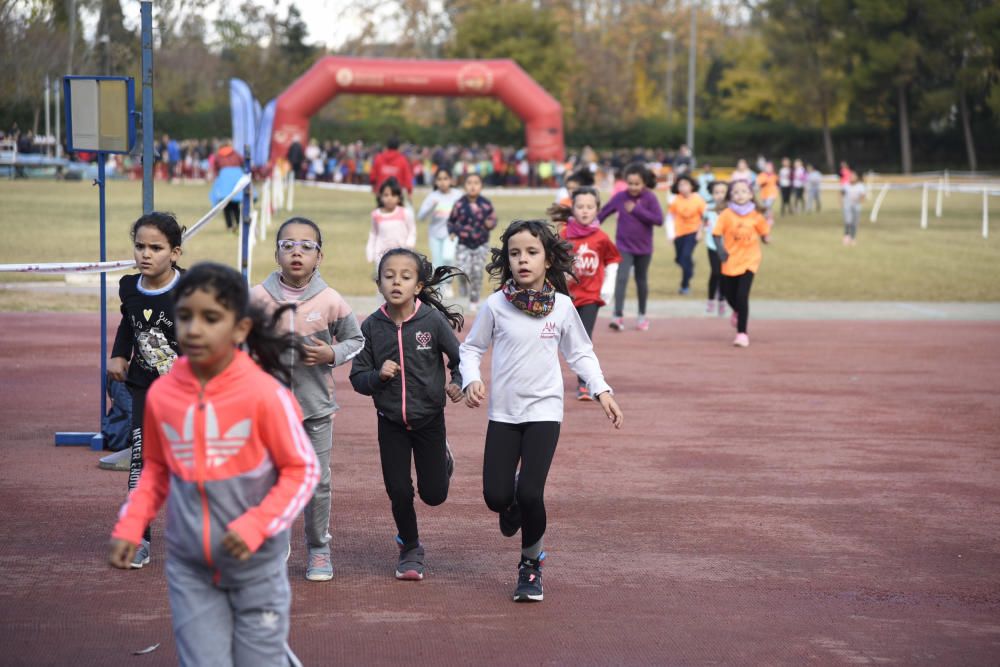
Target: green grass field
point(47, 221)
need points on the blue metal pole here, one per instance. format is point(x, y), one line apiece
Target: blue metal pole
point(146, 9)
point(97, 443)
point(245, 217)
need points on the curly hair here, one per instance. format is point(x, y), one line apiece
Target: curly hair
point(558, 253)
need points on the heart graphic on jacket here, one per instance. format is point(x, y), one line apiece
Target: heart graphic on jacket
point(424, 338)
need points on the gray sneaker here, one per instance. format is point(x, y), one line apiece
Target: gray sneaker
point(411, 562)
point(141, 557)
point(120, 460)
point(320, 568)
point(449, 459)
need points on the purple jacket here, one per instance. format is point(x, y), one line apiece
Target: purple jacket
point(635, 230)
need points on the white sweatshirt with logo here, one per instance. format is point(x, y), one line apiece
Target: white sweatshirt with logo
point(526, 380)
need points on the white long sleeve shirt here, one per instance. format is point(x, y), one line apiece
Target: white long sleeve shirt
point(526, 380)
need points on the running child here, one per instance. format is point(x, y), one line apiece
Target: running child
point(470, 223)
point(716, 300)
point(438, 206)
point(392, 223)
point(225, 447)
point(145, 345)
point(688, 211)
point(595, 262)
point(529, 320)
point(767, 185)
point(785, 175)
point(638, 211)
point(401, 368)
point(329, 335)
point(738, 233)
point(854, 194)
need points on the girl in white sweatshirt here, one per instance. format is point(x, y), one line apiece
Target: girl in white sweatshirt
point(529, 320)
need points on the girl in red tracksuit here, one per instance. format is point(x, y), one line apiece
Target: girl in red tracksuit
point(226, 450)
point(595, 261)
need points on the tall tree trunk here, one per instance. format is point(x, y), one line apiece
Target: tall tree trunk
point(904, 131)
point(831, 161)
point(970, 144)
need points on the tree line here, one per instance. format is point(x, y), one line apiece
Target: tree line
point(904, 80)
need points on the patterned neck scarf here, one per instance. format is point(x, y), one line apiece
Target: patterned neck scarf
point(537, 303)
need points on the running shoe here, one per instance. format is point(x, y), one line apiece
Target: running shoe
point(642, 324)
point(120, 460)
point(583, 394)
point(710, 308)
point(741, 340)
point(529, 579)
point(684, 291)
point(618, 324)
point(722, 308)
point(319, 568)
point(141, 557)
point(411, 562)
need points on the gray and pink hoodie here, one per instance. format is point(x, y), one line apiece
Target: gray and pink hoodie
point(322, 315)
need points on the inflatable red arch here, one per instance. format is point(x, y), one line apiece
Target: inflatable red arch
point(502, 79)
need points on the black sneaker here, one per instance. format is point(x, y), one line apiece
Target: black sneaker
point(529, 579)
point(411, 562)
point(510, 518)
point(449, 459)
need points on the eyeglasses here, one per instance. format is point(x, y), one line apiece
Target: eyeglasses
point(288, 245)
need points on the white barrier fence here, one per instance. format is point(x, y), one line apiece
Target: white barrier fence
point(943, 186)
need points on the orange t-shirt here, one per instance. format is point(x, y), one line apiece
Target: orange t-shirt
point(741, 238)
point(688, 213)
point(768, 184)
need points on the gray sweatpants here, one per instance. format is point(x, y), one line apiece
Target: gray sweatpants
point(219, 627)
point(317, 511)
point(472, 261)
point(852, 213)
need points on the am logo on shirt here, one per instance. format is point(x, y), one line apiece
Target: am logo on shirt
point(549, 330)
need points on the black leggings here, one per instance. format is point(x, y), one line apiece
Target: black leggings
point(714, 280)
point(588, 315)
point(737, 291)
point(641, 264)
point(534, 445)
point(786, 199)
point(427, 445)
point(232, 213)
point(135, 463)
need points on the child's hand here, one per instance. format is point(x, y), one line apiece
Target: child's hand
point(118, 368)
point(121, 553)
point(390, 369)
point(611, 409)
point(629, 206)
point(454, 392)
point(474, 394)
point(314, 353)
point(235, 546)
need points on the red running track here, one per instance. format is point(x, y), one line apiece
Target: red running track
point(830, 495)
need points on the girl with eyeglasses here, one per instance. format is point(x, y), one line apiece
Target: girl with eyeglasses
point(330, 336)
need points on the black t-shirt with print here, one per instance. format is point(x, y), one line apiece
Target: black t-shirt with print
point(146, 335)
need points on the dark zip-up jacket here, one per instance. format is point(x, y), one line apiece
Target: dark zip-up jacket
point(417, 392)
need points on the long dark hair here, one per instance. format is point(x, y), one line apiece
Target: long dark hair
point(265, 342)
point(431, 278)
point(166, 223)
point(558, 253)
point(394, 187)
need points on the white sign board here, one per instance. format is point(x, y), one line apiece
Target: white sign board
point(99, 114)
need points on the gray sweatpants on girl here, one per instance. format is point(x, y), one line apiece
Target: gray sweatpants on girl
point(222, 627)
point(852, 213)
point(317, 510)
point(472, 261)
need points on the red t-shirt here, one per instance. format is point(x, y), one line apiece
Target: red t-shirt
point(591, 255)
point(391, 163)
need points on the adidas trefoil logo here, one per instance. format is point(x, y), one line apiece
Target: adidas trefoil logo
point(218, 450)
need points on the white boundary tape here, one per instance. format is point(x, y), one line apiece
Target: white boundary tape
point(98, 267)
